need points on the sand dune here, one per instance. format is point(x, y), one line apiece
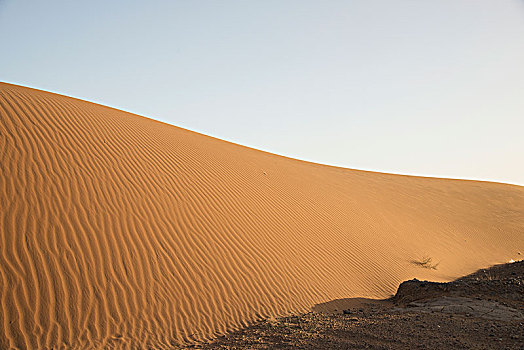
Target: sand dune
point(121, 231)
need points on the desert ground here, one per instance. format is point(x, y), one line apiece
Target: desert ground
point(119, 231)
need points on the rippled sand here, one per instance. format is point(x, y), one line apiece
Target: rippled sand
point(120, 231)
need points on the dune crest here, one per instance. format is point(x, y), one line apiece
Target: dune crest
point(121, 231)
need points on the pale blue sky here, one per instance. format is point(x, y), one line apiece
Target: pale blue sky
point(431, 88)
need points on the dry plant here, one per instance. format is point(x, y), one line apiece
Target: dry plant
point(426, 262)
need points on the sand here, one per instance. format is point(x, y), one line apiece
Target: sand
point(120, 231)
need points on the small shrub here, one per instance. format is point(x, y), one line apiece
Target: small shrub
point(426, 262)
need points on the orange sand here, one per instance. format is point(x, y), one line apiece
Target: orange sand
point(121, 231)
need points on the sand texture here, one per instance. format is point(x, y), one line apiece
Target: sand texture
point(118, 231)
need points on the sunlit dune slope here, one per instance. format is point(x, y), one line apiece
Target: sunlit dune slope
point(121, 231)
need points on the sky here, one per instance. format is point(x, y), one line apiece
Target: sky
point(432, 88)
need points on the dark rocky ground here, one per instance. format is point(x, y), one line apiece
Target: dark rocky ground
point(484, 310)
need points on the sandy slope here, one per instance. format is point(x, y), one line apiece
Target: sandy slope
point(117, 230)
